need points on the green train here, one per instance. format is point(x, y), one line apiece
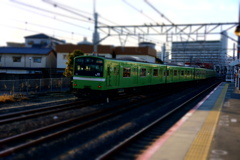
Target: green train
point(99, 76)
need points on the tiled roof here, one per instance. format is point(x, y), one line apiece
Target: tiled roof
point(41, 35)
point(135, 51)
point(68, 48)
point(22, 50)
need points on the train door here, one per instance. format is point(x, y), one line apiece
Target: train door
point(149, 75)
point(108, 78)
point(166, 72)
point(135, 75)
point(113, 75)
point(170, 75)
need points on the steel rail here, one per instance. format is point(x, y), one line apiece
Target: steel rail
point(16, 116)
point(124, 143)
point(120, 109)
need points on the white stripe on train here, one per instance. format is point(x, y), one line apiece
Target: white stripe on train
point(90, 79)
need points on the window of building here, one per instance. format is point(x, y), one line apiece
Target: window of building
point(155, 72)
point(126, 72)
point(37, 59)
point(43, 42)
point(16, 59)
point(30, 42)
point(143, 72)
point(65, 56)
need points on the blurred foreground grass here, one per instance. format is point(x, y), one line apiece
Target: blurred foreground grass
point(11, 98)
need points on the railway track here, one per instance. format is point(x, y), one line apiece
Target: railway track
point(135, 144)
point(49, 132)
point(87, 126)
point(22, 115)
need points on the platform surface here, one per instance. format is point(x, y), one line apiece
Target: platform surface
point(211, 130)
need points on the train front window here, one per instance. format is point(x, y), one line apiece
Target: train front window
point(87, 66)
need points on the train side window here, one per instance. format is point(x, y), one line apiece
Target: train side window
point(175, 72)
point(188, 73)
point(126, 72)
point(143, 72)
point(155, 72)
point(182, 73)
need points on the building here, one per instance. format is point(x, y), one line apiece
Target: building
point(213, 53)
point(21, 60)
point(15, 44)
point(42, 41)
point(146, 53)
point(65, 49)
point(43, 53)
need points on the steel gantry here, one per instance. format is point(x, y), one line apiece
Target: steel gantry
point(170, 31)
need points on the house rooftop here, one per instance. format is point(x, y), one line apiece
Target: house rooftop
point(68, 48)
point(21, 50)
point(43, 36)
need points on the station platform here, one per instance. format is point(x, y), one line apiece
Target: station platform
point(211, 130)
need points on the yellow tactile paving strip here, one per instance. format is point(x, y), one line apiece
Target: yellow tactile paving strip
point(200, 147)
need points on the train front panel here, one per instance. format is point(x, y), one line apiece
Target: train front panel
point(89, 73)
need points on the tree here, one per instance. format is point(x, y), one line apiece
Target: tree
point(69, 69)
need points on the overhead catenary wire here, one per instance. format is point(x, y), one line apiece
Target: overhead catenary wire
point(142, 13)
point(75, 11)
point(84, 16)
point(161, 14)
point(47, 11)
point(53, 17)
point(30, 30)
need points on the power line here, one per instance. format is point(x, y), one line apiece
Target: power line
point(166, 18)
point(140, 11)
point(65, 7)
point(44, 10)
point(70, 9)
point(33, 31)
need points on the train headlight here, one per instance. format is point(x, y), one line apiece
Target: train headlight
point(99, 86)
point(75, 84)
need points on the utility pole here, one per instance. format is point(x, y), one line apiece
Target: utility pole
point(95, 34)
point(238, 45)
point(163, 52)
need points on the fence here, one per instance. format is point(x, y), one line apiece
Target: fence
point(25, 86)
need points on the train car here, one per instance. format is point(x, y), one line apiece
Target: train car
point(102, 76)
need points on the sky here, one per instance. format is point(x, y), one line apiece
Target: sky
point(72, 20)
